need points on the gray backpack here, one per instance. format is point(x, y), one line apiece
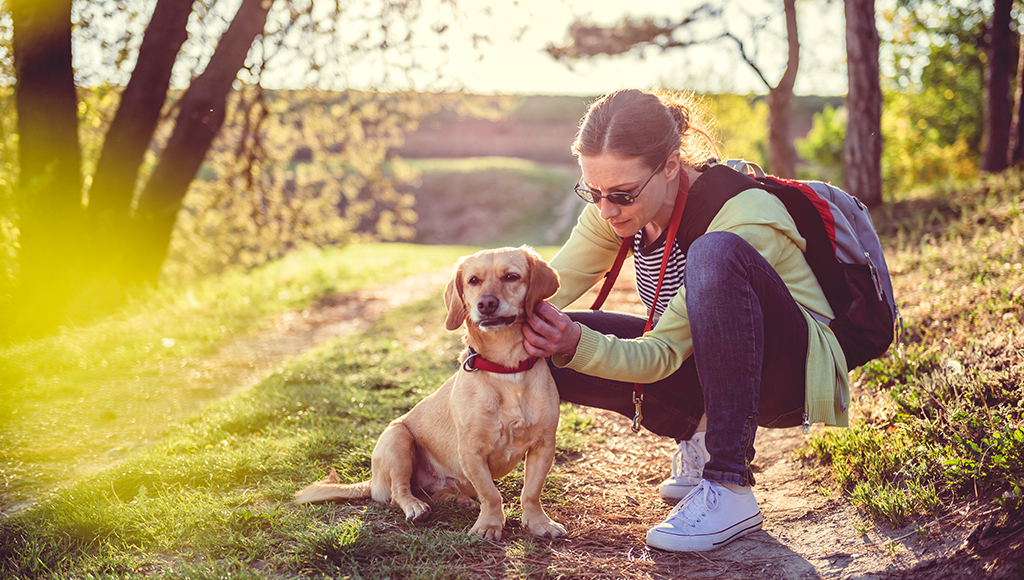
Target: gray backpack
point(843, 250)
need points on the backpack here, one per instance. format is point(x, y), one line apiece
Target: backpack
point(843, 250)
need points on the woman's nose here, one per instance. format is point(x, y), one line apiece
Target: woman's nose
point(608, 209)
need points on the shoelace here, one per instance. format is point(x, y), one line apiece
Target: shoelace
point(688, 459)
point(696, 505)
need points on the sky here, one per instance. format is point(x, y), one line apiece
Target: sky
point(514, 61)
point(498, 47)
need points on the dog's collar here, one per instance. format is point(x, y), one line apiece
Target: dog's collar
point(475, 362)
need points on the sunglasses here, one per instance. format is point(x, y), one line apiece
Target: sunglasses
point(619, 198)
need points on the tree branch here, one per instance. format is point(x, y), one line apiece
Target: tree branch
point(746, 58)
point(587, 40)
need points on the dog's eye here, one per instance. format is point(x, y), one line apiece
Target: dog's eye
point(511, 277)
point(473, 281)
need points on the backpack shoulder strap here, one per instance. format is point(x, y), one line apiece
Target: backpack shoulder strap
point(717, 185)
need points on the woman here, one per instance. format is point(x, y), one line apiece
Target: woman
point(735, 344)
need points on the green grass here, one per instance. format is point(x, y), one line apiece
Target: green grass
point(946, 418)
point(87, 396)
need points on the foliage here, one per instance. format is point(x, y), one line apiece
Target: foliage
point(933, 119)
point(917, 128)
point(928, 140)
point(945, 418)
point(317, 175)
point(742, 126)
point(256, 206)
point(932, 116)
point(823, 145)
point(930, 35)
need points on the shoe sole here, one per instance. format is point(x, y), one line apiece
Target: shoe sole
point(673, 494)
point(670, 500)
point(670, 542)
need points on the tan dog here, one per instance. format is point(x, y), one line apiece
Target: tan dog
point(481, 423)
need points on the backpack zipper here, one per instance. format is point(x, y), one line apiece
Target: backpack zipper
point(875, 277)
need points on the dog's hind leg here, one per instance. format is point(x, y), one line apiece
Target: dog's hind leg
point(456, 494)
point(394, 460)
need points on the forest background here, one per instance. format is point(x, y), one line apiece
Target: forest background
point(133, 151)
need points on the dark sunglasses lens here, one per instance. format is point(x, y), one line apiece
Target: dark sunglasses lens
point(620, 199)
point(585, 194)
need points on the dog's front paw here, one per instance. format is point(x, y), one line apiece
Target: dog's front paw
point(416, 510)
point(545, 527)
point(489, 530)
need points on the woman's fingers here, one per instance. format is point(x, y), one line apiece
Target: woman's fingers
point(549, 331)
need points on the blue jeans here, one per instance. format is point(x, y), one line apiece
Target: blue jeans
point(748, 366)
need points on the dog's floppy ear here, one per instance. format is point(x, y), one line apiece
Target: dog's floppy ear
point(543, 279)
point(453, 301)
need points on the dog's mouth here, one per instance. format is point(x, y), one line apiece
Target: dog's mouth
point(497, 321)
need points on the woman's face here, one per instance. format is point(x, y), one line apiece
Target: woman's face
point(610, 172)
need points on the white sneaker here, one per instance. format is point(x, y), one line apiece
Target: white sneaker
point(687, 468)
point(711, 516)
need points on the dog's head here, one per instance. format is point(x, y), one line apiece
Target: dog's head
point(493, 289)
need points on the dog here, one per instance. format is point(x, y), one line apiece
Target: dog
point(497, 409)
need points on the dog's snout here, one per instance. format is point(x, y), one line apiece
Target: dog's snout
point(488, 304)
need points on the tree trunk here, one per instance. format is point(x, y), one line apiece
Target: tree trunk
point(998, 70)
point(781, 151)
point(50, 179)
point(131, 130)
point(201, 113)
point(1015, 150)
point(862, 153)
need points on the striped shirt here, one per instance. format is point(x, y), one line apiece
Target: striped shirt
point(648, 264)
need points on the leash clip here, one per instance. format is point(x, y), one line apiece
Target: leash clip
point(468, 365)
point(638, 400)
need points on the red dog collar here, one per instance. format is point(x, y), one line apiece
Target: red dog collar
point(475, 362)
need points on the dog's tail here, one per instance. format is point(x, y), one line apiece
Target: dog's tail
point(330, 490)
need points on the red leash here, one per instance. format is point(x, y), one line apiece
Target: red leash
point(613, 273)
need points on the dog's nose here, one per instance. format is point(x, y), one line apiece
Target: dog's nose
point(488, 304)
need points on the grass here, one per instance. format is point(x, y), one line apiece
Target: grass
point(93, 394)
point(936, 424)
point(945, 419)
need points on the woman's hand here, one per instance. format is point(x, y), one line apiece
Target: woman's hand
point(549, 331)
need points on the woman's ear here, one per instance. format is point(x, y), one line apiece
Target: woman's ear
point(673, 165)
point(543, 279)
point(453, 301)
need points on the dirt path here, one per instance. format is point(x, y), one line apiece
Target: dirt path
point(810, 531)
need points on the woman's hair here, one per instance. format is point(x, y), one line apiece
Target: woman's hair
point(649, 125)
